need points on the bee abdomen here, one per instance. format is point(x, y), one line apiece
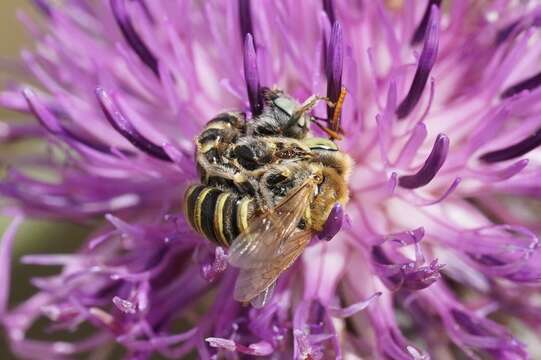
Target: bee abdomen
point(218, 215)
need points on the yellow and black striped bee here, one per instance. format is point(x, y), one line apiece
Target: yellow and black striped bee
point(265, 233)
point(266, 190)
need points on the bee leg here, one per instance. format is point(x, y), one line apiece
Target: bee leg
point(334, 135)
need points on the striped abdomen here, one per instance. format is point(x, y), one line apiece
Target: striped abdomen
point(218, 215)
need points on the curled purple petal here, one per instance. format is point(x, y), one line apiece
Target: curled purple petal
point(420, 31)
point(409, 237)
point(126, 129)
point(513, 151)
point(354, 308)
point(506, 251)
point(426, 62)
point(334, 65)
point(430, 168)
point(333, 224)
point(53, 125)
point(444, 195)
point(474, 334)
point(421, 277)
point(132, 37)
point(251, 76)
point(47, 119)
point(400, 273)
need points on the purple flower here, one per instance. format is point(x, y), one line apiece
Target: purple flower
point(436, 253)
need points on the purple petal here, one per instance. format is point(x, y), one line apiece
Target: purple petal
point(404, 238)
point(420, 31)
point(132, 37)
point(513, 151)
point(328, 7)
point(126, 129)
point(6, 245)
point(526, 84)
point(334, 65)
point(353, 309)
point(245, 17)
point(157, 342)
point(53, 125)
point(426, 62)
point(432, 165)
point(422, 277)
point(416, 139)
point(333, 224)
point(262, 348)
point(251, 76)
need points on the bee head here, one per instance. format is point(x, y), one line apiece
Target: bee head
point(280, 117)
point(292, 122)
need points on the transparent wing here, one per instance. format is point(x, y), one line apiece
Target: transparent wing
point(265, 235)
point(264, 297)
point(253, 282)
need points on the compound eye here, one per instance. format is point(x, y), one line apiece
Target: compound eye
point(285, 104)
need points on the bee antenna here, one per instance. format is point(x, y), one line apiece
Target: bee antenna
point(333, 135)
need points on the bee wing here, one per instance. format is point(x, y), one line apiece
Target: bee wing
point(253, 282)
point(264, 297)
point(265, 235)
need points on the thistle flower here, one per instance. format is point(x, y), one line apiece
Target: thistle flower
point(437, 253)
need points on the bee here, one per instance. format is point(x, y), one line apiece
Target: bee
point(212, 145)
point(268, 138)
point(267, 187)
point(267, 232)
point(218, 213)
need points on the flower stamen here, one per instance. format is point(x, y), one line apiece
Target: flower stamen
point(328, 7)
point(426, 62)
point(132, 37)
point(420, 31)
point(432, 165)
point(126, 129)
point(334, 66)
point(245, 19)
point(526, 84)
point(513, 151)
point(251, 75)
